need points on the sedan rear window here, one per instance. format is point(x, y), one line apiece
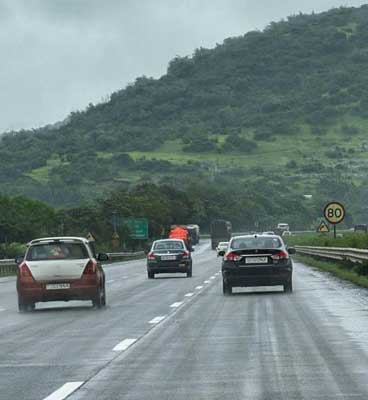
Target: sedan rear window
point(169, 245)
point(256, 243)
point(57, 251)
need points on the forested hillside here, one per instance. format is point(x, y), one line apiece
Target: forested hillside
point(288, 105)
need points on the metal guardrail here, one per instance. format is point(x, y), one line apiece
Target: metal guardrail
point(125, 255)
point(9, 267)
point(335, 253)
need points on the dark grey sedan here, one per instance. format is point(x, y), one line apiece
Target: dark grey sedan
point(167, 256)
point(257, 260)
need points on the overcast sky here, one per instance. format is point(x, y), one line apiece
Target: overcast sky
point(59, 55)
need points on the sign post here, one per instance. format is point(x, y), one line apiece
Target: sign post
point(334, 212)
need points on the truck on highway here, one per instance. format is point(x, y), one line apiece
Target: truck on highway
point(193, 231)
point(221, 231)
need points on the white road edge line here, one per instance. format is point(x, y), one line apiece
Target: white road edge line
point(199, 287)
point(124, 344)
point(158, 319)
point(64, 391)
point(189, 295)
point(177, 304)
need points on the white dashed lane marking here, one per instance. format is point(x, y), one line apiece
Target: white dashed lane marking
point(177, 304)
point(199, 287)
point(189, 295)
point(124, 344)
point(206, 282)
point(110, 281)
point(158, 319)
point(64, 391)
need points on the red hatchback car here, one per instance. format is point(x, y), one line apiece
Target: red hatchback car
point(60, 269)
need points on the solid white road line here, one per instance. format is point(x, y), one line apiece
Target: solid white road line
point(158, 319)
point(177, 304)
point(189, 295)
point(199, 287)
point(64, 391)
point(124, 344)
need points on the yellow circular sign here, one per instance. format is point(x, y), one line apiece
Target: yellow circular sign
point(334, 212)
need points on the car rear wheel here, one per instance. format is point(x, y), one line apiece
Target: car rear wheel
point(288, 287)
point(24, 306)
point(189, 273)
point(150, 274)
point(100, 300)
point(226, 288)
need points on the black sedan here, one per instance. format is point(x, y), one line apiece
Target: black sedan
point(257, 260)
point(167, 256)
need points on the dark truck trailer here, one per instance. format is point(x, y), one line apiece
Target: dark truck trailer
point(221, 231)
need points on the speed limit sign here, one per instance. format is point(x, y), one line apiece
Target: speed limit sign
point(334, 212)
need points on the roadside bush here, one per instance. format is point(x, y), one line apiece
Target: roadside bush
point(12, 250)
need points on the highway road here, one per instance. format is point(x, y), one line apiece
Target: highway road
point(179, 338)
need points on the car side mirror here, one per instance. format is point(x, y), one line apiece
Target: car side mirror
point(221, 253)
point(102, 257)
point(19, 259)
point(291, 250)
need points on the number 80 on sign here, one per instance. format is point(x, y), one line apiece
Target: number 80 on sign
point(334, 212)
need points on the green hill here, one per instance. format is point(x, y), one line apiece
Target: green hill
point(287, 105)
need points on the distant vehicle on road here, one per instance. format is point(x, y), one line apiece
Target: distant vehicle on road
point(221, 247)
point(361, 228)
point(193, 231)
point(286, 233)
point(181, 232)
point(60, 269)
point(268, 233)
point(283, 227)
point(167, 256)
point(257, 260)
point(221, 231)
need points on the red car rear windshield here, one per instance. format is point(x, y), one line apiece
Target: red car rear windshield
point(57, 251)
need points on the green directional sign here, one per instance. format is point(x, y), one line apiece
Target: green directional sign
point(138, 227)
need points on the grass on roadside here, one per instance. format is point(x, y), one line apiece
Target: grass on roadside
point(335, 269)
point(349, 239)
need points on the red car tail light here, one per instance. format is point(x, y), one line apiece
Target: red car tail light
point(186, 254)
point(25, 276)
point(151, 256)
point(232, 257)
point(281, 255)
point(90, 268)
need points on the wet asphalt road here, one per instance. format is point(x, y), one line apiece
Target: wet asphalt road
point(188, 341)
